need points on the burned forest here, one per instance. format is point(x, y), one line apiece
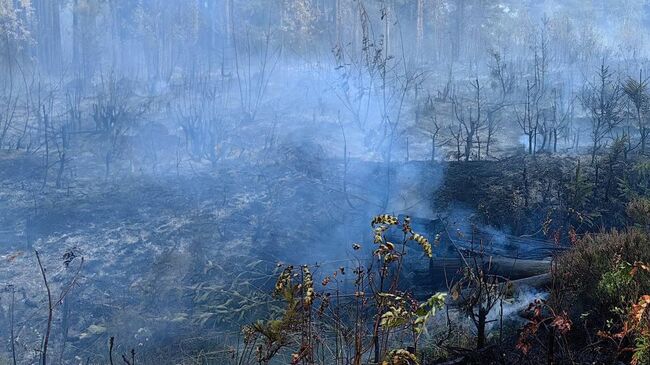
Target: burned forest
point(324, 182)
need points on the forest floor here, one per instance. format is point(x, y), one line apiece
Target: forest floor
point(163, 252)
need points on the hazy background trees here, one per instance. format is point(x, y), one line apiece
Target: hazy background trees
point(531, 60)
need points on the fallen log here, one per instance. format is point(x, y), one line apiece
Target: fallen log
point(512, 269)
point(515, 269)
point(540, 282)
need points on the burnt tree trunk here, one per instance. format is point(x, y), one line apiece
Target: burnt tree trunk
point(480, 327)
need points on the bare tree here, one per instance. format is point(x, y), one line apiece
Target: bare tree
point(457, 137)
point(73, 100)
point(562, 117)
point(528, 118)
point(556, 120)
point(419, 29)
point(501, 74)
point(602, 100)
point(470, 118)
point(531, 118)
point(492, 127)
point(432, 126)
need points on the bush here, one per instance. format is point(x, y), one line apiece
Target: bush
point(609, 276)
point(603, 261)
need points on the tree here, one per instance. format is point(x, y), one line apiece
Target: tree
point(85, 46)
point(419, 29)
point(602, 100)
point(456, 133)
point(637, 93)
point(48, 33)
point(478, 290)
point(8, 105)
point(555, 120)
point(561, 118)
point(298, 20)
point(432, 127)
point(15, 36)
point(502, 77)
point(459, 30)
point(492, 127)
point(469, 118)
point(528, 119)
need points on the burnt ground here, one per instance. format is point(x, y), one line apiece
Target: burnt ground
point(172, 258)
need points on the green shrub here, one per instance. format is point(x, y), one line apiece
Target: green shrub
point(642, 350)
point(597, 270)
point(615, 285)
point(609, 277)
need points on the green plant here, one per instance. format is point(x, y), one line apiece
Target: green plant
point(327, 326)
point(596, 261)
point(642, 350)
point(615, 284)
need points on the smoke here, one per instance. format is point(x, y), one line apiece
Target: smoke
point(515, 307)
point(248, 146)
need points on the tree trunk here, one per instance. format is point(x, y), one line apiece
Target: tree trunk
point(407, 150)
point(59, 175)
point(419, 30)
point(338, 21)
point(46, 164)
point(433, 147)
point(107, 163)
point(48, 34)
point(387, 25)
point(468, 147)
point(644, 137)
point(228, 23)
point(480, 327)
point(459, 25)
point(76, 32)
